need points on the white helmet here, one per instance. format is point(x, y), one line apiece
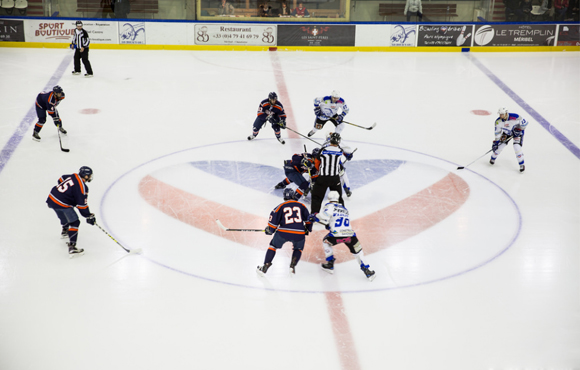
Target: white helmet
point(502, 110)
point(333, 196)
point(335, 94)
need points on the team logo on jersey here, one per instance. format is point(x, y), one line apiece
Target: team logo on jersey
point(408, 209)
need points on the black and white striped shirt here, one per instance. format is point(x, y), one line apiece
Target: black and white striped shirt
point(331, 158)
point(81, 38)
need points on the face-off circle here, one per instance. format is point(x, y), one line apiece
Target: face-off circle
point(419, 221)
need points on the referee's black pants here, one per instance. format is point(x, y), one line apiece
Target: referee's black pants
point(85, 58)
point(319, 191)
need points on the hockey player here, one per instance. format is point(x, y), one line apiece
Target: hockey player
point(80, 43)
point(336, 219)
point(326, 108)
point(72, 191)
point(47, 101)
point(270, 110)
point(289, 223)
point(294, 169)
point(509, 125)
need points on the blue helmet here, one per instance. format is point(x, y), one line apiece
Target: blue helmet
point(273, 96)
point(86, 171)
point(288, 194)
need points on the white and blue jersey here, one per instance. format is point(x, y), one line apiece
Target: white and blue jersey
point(336, 219)
point(506, 127)
point(328, 109)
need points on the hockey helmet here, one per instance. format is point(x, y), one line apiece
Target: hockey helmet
point(288, 194)
point(335, 95)
point(58, 90)
point(502, 110)
point(79, 23)
point(315, 152)
point(335, 138)
point(272, 96)
point(86, 171)
point(333, 196)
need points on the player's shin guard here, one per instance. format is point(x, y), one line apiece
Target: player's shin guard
point(73, 231)
point(519, 153)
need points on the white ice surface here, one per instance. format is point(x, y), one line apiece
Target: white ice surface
point(495, 285)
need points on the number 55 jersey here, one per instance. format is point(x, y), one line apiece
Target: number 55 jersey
point(71, 191)
point(336, 219)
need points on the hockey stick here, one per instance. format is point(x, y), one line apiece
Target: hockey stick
point(366, 128)
point(462, 167)
point(306, 137)
point(130, 251)
point(60, 141)
point(226, 229)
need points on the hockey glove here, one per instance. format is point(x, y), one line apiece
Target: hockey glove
point(282, 124)
point(338, 118)
point(58, 122)
point(72, 46)
point(306, 163)
point(518, 132)
point(268, 231)
point(306, 232)
point(317, 111)
point(348, 156)
point(312, 218)
point(495, 145)
point(91, 219)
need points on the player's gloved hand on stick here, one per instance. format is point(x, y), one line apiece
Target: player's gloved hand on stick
point(312, 217)
point(92, 219)
point(282, 124)
point(317, 111)
point(518, 131)
point(495, 145)
point(348, 156)
point(268, 231)
point(338, 118)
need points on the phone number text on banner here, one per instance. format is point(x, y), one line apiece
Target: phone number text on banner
point(227, 34)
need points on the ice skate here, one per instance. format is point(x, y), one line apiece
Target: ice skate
point(280, 185)
point(328, 266)
point(312, 132)
point(281, 140)
point(64, 232)
point(73, 251)
point(522, 168)
point(76, 73)
point(347, 191)
point(88, 75)
point(251, 137)
point(368, 273)
point(35, 136)
point(62, 130)
point(261, 270)
point(492, 161)
point(292, 271)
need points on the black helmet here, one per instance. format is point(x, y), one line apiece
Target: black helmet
point(78, 23)
point(272, 95)
point(288, 194)
point(335, 138)
point(86, 171)
point(57, 89)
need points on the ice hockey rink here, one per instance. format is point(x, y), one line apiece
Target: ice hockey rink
point(476, 268)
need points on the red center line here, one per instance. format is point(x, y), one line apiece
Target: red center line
point(345, 346)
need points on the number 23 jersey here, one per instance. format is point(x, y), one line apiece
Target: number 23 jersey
point(291, 219)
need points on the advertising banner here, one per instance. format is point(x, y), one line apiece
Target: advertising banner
point(514, 35)
point(11, 30)
point(132, 33)
point(235, 34)
point(403, 35)
point(102, 32)
point(49, 30)
point(569, 35)
point(445, 35)
point(316, 35)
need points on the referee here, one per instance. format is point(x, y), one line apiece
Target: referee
point(81, 44)
point(331, 158)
